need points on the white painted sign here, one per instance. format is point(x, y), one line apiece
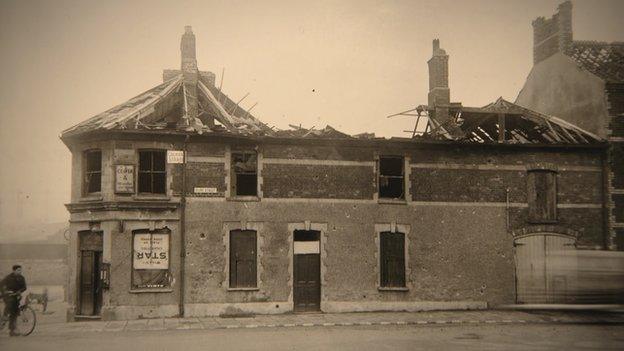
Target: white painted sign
point(175, 156)
point(198, 190)
point(124, 179)
point(151, 251)
point(306, 247)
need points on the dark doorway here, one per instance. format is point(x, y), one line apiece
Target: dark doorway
point(90, 295)
point(307, 271)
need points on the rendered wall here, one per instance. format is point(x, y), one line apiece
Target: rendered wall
point(558, 87)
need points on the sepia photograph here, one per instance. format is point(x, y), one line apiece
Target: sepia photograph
point(311, 175)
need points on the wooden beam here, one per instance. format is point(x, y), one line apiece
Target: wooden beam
point(501, 127)
point(238, 102)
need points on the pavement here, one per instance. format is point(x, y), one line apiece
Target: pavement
point(51, 324)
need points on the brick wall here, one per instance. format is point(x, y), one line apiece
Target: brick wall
point(554, 34)
point(318, 181)
point(318, 152)
point(460, 185)
point(615, 98)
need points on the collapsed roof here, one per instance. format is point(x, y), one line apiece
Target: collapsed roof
point(162, 106)
point(502, 122)
point(188, 101)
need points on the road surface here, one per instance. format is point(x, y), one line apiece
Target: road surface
point(410, 337)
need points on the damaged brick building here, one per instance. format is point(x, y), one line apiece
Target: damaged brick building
point(583, 83)
point(183, 203)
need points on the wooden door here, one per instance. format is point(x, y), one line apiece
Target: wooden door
point(307, 287)
point(307, 271)
point(545, 268)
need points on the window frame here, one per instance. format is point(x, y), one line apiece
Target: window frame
point(234, 175)
point(403, 177)
point(386, 283)
point(549, 214)
point(86, 173)
point(168, 274)
point(235, 284)
point(151, 172)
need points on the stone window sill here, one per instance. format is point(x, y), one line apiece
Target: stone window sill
point(150, 290)
point(383, 288)
point(392, 201)
point(91, 198)
point(148, 197)
point(243, 289)
point(244, 198)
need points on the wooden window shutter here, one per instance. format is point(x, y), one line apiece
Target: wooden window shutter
point(243, 259)
point(551, 196)
point(392, 257)
point(542, 196)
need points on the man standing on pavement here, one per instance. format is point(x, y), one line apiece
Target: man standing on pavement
point(11, 288)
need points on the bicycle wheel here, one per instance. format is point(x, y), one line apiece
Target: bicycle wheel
point(26, 321)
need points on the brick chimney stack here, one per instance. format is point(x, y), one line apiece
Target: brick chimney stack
point(190, 73)
point(439, 93)
point(554, 34)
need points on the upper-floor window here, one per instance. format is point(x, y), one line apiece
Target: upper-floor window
point(152, 172)
point(391, 177)
point(244, 179)
point(92, 171)
point(542, 195)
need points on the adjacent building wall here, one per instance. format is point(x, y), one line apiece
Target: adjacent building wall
point(559, 87)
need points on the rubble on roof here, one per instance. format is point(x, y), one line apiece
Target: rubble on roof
point(505, 122)
point(606, 60)
point(300, 132)
point(228, 113)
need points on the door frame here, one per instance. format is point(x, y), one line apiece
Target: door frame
point(94, 245)
point(306, 225)
point(294, 256)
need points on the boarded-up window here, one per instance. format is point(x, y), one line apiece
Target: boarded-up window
point(243, 259)
point(542, 196)
point(244, 174)
point(391, 174)
point(392, 259)
point(152, 172)
point(92, 171)
point(150, 259)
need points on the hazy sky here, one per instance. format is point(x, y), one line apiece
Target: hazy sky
point(343, 63)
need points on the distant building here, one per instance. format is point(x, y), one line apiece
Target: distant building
point(184, 203)
point(583, 83)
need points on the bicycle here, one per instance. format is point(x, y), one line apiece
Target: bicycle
point(26, 318)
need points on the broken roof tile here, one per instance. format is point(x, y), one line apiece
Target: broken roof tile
point(521, 126)
point(606, 60)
